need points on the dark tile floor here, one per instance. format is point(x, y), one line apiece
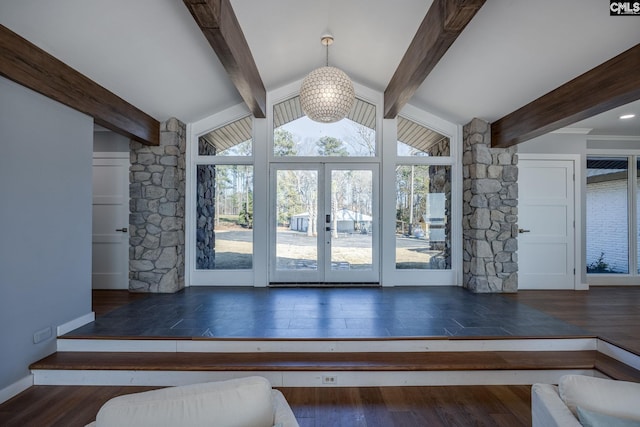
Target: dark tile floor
point(326, 313)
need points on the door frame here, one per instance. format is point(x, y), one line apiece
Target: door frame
point(579, 211)
point(324, 273)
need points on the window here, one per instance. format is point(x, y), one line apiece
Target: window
point(423, 222)
point(234, 139)
point(297, 135)
point(224, 198)
point(607, 215)
point(637, 194)
point(423, 198)
point(417, 140)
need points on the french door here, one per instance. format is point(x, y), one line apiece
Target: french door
point(324, 223)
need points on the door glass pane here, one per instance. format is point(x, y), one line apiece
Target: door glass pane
point(607, 219)
point(351, 219)
point(297, 219)
point(224, 217)
point(297, 135)
point(423, 217)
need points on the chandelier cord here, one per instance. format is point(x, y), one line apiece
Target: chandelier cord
point(327, 46)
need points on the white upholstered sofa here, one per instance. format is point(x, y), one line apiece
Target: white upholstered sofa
point(245, 402)
point(580, 400)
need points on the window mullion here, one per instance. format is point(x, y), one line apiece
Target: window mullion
point(633, 221)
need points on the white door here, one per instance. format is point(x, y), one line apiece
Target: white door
point(324, 223)
point(546, 220)
point(110, 256)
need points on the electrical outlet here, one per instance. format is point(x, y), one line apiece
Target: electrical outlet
point(41, 335)
point(329, 379)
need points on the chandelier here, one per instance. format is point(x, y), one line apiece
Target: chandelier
point(327, 94)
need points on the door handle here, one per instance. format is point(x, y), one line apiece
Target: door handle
point(123, 229)
point(328, 229)
point(522, 230)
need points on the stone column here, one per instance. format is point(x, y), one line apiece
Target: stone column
point(156, 221)
point(490, 212)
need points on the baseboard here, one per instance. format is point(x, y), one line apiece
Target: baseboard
point(582, 287)
point(16, 388)
point(76, 323)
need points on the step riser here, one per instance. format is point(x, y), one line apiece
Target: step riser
point(620, 354)
point(251, 346)
point(309, 378)
point(108, 372)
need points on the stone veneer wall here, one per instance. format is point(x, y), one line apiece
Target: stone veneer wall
point(490, 212)
point(156, 221)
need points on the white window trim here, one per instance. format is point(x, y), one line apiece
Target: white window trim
point(391, 276)
point(386, 157)
point(632, 278)
point(194, 277)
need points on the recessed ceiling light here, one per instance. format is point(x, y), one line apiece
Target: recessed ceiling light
point(627, 116)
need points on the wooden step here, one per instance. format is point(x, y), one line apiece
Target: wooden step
point(409, 361)
point(616, 369)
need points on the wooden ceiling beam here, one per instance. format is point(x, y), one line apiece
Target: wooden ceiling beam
point(219, 24)
point(609, 85)
point(28, 65)
point(441, 26)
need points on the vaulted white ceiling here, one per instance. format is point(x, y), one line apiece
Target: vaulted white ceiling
point(152, 54)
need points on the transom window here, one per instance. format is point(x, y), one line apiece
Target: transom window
point(417, 140)
point(297, 135)
point(233, 139)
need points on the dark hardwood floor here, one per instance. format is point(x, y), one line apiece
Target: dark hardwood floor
point(104, 301)
point(508, 406)
point(322, 312)
point(611, 313)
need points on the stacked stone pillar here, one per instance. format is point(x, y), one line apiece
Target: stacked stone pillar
point(490, 212)
point(156, 221)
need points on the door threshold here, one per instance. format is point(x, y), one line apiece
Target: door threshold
point(324, 285)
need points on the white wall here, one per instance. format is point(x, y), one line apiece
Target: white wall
point(105, 141)
point(45, 213)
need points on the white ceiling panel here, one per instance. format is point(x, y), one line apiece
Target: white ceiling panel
point(152, 54)
point(514, 51)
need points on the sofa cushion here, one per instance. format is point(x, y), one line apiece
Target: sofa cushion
point(244, 402)
point(548, 410)
point(611, 397)
point(595, 419)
